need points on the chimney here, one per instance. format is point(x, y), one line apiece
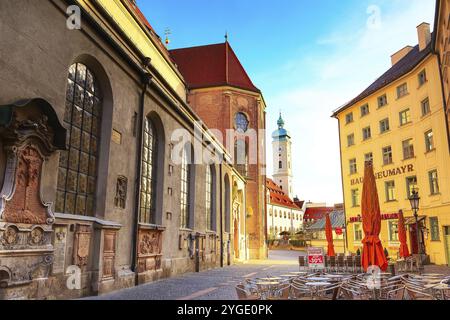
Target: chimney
point(424, 34)
point(399, 55)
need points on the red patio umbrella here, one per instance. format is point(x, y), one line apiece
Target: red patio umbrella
point(329, 235)
point(404, 252)
point(373, 253)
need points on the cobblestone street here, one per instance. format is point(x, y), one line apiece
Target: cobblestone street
point(217, 284)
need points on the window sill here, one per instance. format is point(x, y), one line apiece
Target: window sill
point(147, 226)
point(391, 201)
point(410, 158)
point(407, 124)
point(425, 116)
point(385, 132)
point(186, 230)
point(405, 95)
point(430, 151)
point(387, 164)
point(382, 107)
point(434, 194)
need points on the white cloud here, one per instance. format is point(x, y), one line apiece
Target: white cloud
point(355, 58)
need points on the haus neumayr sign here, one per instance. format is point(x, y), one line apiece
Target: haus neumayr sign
point(386, 174)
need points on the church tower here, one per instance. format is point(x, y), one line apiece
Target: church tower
point(282, 158)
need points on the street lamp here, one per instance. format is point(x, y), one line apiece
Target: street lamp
point(414, 199)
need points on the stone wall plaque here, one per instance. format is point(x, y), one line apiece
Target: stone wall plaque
point(60, 250)
point(116, 137)
point(149, 251)
point(82, 245)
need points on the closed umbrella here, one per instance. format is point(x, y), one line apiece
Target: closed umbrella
point(329, 235)
point(404, 252)
point(372, 254)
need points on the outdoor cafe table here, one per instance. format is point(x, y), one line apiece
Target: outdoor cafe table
point(315, 286)
point(267, 288)
point(299, 273)
point(318, 279)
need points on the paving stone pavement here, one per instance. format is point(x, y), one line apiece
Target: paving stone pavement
point(219, 284)
point(216, 284)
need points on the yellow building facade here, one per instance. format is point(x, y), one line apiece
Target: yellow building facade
point(399, 124)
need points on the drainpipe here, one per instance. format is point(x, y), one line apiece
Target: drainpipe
point(221, 212)
point(146, 78)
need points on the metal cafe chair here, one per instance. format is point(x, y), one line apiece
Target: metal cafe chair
point(357, 264)
point(303, 265)
point(341, 263)
point(333, 266)
point(350, 264)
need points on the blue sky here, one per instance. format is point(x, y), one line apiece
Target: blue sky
point(308, 58)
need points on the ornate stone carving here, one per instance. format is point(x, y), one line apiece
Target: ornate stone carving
point(150, 248)
point(82, 245)
point(121, 192)
point(25, 206)
point(10, 236)
point(36, 237)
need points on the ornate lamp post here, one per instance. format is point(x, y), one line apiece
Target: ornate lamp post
point(414, 199)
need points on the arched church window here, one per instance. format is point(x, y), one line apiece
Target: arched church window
point(148, 179)
point(241, 122)
point(210, 196)
point(185, 188)
point(77, 172)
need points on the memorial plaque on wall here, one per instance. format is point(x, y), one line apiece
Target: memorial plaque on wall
point(60, 250)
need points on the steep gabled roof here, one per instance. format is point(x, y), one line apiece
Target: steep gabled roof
point(278, 197)
point(398, 70)
point(212, 66)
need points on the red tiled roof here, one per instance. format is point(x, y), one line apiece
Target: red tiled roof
point(211, 66)
point(316, 213)
point(278, 197)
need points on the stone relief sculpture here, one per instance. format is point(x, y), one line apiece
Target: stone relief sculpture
point(121, 192)
point(25, 219)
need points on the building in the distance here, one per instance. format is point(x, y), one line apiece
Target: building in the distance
point(225, 98)
point(284, 215)
point(282, 158)
point(399, 124)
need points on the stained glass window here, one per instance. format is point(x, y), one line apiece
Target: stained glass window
point(77, 172)
point(148, 180)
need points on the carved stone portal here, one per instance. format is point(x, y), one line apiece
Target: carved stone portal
point(149, 251)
